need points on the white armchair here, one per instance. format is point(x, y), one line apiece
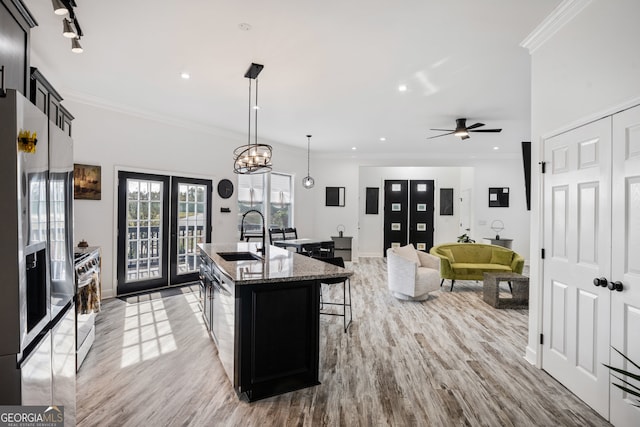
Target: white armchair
point(412, 274)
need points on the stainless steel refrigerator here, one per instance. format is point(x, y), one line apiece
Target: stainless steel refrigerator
point(37, 312)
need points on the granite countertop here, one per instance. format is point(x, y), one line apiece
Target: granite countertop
point(277, 265)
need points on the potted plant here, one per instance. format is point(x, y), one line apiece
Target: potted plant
point(626, 386)
point(464, 238)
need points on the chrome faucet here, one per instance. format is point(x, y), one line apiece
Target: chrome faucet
point(242, 233)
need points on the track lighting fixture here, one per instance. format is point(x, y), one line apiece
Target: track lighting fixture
point(59, 8)
point(67, 31)
point(75, 46)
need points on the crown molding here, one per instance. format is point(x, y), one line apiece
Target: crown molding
point(561, 16)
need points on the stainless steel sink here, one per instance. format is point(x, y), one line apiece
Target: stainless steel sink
point(239, 256)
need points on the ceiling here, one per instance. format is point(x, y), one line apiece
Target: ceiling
point(332, 68)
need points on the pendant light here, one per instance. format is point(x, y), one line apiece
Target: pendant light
point(67, 31)
point(307, 181)
point(252, 158)
point(59, 8)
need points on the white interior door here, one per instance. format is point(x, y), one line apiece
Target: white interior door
point(625, 254)
point(465, 211)
point(577, 241)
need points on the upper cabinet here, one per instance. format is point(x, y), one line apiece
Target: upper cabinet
point(15, 24)
point(47, 99)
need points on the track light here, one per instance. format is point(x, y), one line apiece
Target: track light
point(75, 46)
point(67, 31)
point(59, 8)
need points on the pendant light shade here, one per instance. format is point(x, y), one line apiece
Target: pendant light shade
point(67, 31)
point(75, 46)
point(307, 181)
point(252, 158)
point(59, 8)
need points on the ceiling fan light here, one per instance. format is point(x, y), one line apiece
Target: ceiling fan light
point(461, 133)
point(67, 31)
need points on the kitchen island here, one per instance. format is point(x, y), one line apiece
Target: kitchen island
point(262, 311)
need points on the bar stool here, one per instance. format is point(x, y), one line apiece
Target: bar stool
point(346, 289)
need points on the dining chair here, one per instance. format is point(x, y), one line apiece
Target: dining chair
point(275, 233)
point(290, 233)
point(346, 290)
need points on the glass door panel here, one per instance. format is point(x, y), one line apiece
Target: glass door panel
point(190, 225)
point(143, 221)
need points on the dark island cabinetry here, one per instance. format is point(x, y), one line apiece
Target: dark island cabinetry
point(278, 330)
point(263, 312)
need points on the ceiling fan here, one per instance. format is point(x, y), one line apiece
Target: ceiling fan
point(462, 130)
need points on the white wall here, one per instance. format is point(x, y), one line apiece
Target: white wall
point(118, 141)
point(588, 69)
point(372, 226)
point(516, 218)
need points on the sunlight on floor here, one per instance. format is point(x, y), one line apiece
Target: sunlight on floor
point(147, 332)
point(193, 300)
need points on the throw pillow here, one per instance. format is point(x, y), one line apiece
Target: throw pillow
point(500, 257)
point(408, 252)
point(449, 254)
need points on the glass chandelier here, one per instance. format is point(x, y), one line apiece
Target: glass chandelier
point(252, 158)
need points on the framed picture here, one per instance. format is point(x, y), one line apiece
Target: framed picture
point(421, 226)
point(499, 197)
point(421, 246)
point(421, 207)
point(371, 203)
point(396, 207)
point(396, 226)
point(334, 196)
point(395, 244)
point(421, 187)
point(396, 187)
point(87, 182)
point(446, 201)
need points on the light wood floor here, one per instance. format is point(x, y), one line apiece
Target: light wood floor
point(449, 361)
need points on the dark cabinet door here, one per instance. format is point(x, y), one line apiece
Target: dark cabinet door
point(277, 338)
point(421, 209)
point(395, 213)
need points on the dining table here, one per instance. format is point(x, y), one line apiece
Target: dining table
point(306, 245)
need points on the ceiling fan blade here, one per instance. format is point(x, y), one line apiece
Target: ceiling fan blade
point(464, 137)
point(438, 136)
point(444, 130)
point(486, 130)
point(475, 125)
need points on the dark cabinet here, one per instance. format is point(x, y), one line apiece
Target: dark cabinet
point(44, 96)
point(15, 24)
point(279, 338)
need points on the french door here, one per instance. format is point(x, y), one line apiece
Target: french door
point(161, 219)
point(592, 230)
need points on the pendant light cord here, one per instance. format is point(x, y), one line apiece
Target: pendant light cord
point(249, 133)
point(308, 152)
point(255, 127)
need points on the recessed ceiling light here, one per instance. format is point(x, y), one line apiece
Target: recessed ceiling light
point(354, 148)
point(185, 75)
point(383, 139)
point(496, 148)
point(402, 88)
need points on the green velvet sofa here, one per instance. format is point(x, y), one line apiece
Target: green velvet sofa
point(469, 261)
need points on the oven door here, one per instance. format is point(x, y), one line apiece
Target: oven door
point(86, 307)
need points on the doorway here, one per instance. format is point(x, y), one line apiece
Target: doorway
point(161, 220)
point(408, 213)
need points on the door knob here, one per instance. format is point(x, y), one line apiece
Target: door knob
point(615, 286)
point(600, 281)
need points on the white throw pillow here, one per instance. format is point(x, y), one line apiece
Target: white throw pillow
point(408, 252)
